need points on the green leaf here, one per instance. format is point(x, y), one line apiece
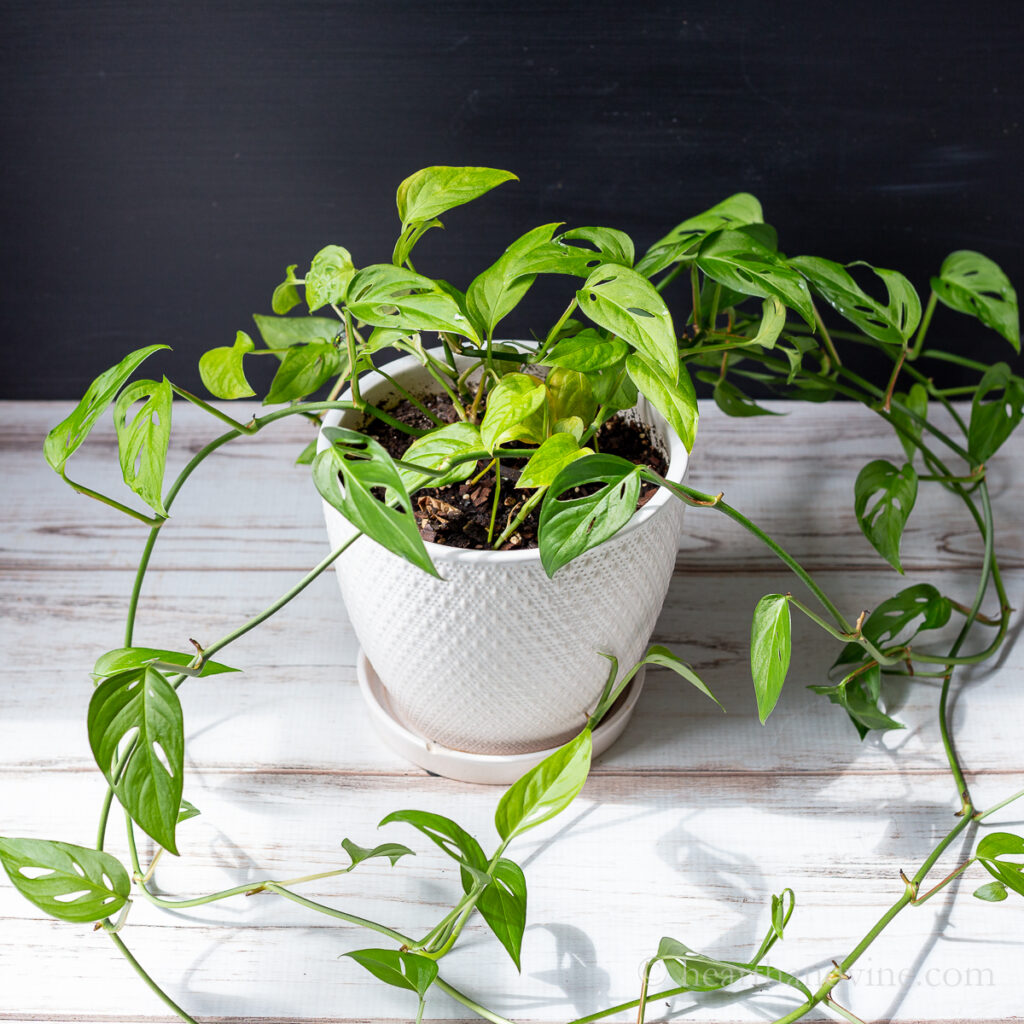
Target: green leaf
point(734, 212)
point(570, 425)
point(286, 295)
point(139, 708)
point(69, 882)
point(991, 892)
point(890, 493)
point(892, 322)
point(860, 695)
point(307, 455)
point(433, 450)
point(280, 332)
point(385, 296)
point(569, 394)
point(393, 851)
point(64, 439)
point(303, 370)
point(328, 277)
point(503, 906)
point(743, 264)
point(569, 527)
point(124, 658)
point(622, 301)
point(779, 915)
point(612, 245)
point(142, 443)
point(996, 411)
point(434, 190)
point(676, 401)
point(545, 790)
point(773, 320)
point(364, 464)
point(971, 283)
point(733, 402)
point(916, 400)
point(402, 970)
point(894, 615)
point(450, 837)
point(991, 851)
point(662, 657)
point(770, 648)
point(557, 452)
point(186, 811)
point(495, 292)
point(515, 398)
point(222, 372)
point(586, 352)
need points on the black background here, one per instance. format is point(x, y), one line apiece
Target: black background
point(165, 161)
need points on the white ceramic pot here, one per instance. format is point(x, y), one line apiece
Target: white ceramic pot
point(496, 658)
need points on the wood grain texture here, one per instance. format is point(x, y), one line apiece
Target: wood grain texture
point(686, 827)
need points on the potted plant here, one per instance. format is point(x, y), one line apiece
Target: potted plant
point(545, 405)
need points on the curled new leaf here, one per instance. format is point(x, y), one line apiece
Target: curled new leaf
point(770, 649)
point(510, 411)
point(142, 439)
point(883, 499)
point(69, 882)
point(973, 284)
point(286, 295)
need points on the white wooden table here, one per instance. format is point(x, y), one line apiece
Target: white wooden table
point(685, 828)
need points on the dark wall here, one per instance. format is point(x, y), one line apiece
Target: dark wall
point(165, 161)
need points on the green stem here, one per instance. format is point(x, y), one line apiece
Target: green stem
point(528, 506)
point(951, 357)
point(955, 873)
point(350, 344)
point(411, 399)
point(538, 357)
point(853, 636)
point(471, 1004)
point(154, 987)
point(695, 288)
point(826, 337)
point(112, 502)
point(340, 914)
point(497, 496)
point(999, 806)
point(923, 329)
point(206, 407)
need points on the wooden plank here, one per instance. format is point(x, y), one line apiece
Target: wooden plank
point(251, 504)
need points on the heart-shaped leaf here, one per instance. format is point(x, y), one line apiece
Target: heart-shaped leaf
point(503, 906)
point(222, 372)
point(510, 408)
point(433, 450)
point(545, 790)
point(557, 452)
point(364, 464)
point(586, 352)
point(892, 322)
point(281, 332)
point(770, 649)
point(142, 441)
point(304, 369)
point(328, 277)
point(569, 393)
point(884, 497)
point(568, 527)
point(137, 713)
point(63, 441)
point(624, 302)
point(996, 411)
point(675, 400)
point(991, 892)
point(738, 261)
point(286, 295)
point(69, 882)
point(971, 283)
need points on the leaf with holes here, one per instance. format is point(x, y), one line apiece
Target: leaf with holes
point(328, 277)
point(733, 402)
point(510, 411)
point(69, 882)
point(221, 369)
point(282, 332)
point(971, 283)
point(358, 854)
point(915, 401)
point(996, 411)
point(891, 322)
point(587, 352)
point(622, 301)
point(860, 695)
point(286, 295)
point(503, 906)
point(142, 442)
point(884, 497)
point(433, 450)
point(895, 615)
point(568, 527)
point(569, 393)
point(770, 649)
point(137, 714)
point(123, 658)
point(448, 836)
point(364, 465)
point(557, 452)
point(736, 211)
point(740, 262)
point(385, 296)
point(304, 369)
point(611, 245)
point(187, 811)
point(546, 789)
point(675, 400)
point(991, 851)
point(402, 970)
point(63, 441)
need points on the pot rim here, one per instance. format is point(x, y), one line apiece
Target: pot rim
point(678, 459)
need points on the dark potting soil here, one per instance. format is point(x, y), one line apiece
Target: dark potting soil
point(459, 515)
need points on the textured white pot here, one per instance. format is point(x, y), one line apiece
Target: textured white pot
point(495, 658)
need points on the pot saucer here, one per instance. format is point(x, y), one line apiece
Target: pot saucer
point(490, 769)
